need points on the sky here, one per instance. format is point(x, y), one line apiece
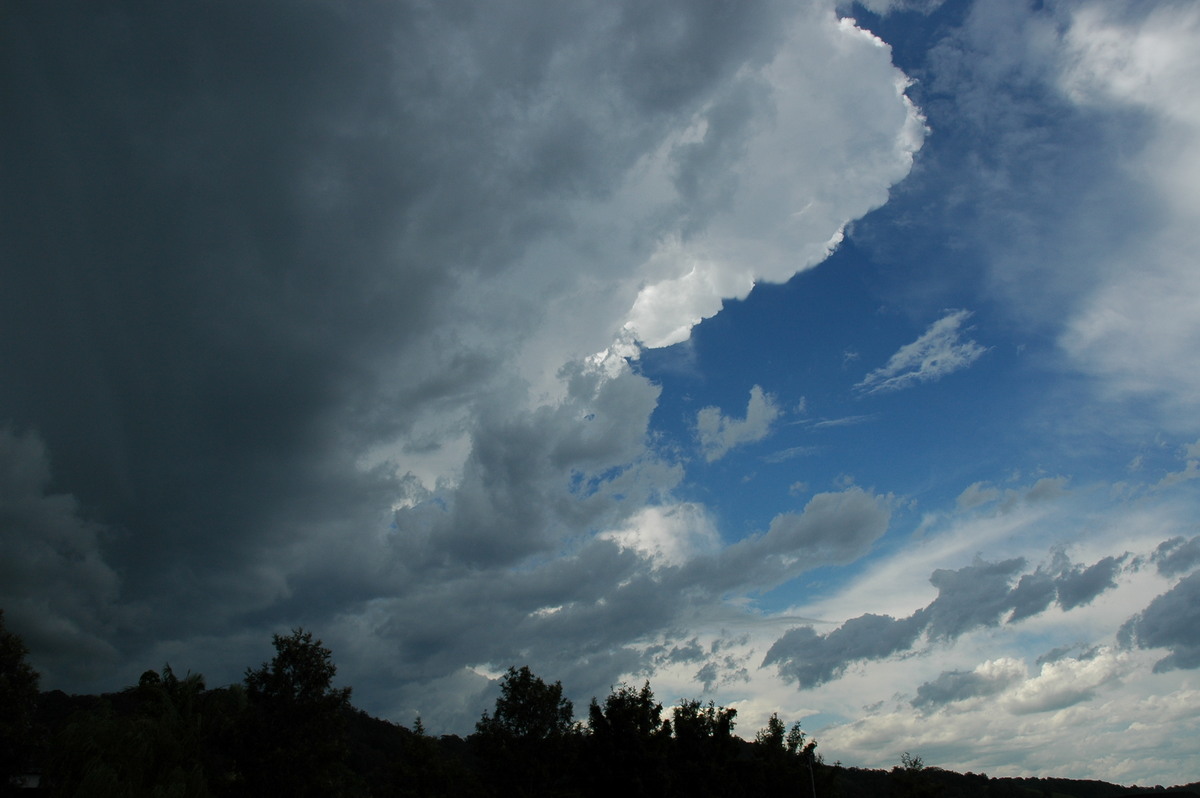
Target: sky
point(834, 360)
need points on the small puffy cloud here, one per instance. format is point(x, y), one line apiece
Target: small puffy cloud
point(1064, 683)
point(988, 679)
point(1190, 471)
point(1046, 488)
point(1177, 556)
point(721, 671)
point(1171, 621)
point(939, 351)
point(973, 596)
point(976, 494)
point(719, 433)
point(833, 529)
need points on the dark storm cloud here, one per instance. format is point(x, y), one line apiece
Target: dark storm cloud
point(54, 583)
point(572, 618)
point(1171, 621)
point(286, 290)
point(189, 323)
point(567, 609)
point(672, 51)
point(237, 244)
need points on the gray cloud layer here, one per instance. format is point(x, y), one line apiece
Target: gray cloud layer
point(811, 659)
point(1171, 621)
point(971, 597)
point(1177, 556)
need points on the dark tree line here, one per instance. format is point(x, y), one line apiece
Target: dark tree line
point(287, 731)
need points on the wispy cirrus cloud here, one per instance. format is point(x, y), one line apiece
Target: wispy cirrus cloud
point(939, 351)
point(845, 421)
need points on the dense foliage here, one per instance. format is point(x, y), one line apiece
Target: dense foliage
point(287, 731)
point(18, 701)
point(293, 730)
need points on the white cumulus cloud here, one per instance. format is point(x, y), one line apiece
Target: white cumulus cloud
point(1138, 328)
point(827, 138)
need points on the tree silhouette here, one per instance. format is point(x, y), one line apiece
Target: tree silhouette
point(771, 742)
point(18, 701)
point(913, 779)
point(295, 730)
point(628, 742)
point(703, 749)
point(707, 729)
point(628, 715)
point(528, 744)
point(529, 709)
